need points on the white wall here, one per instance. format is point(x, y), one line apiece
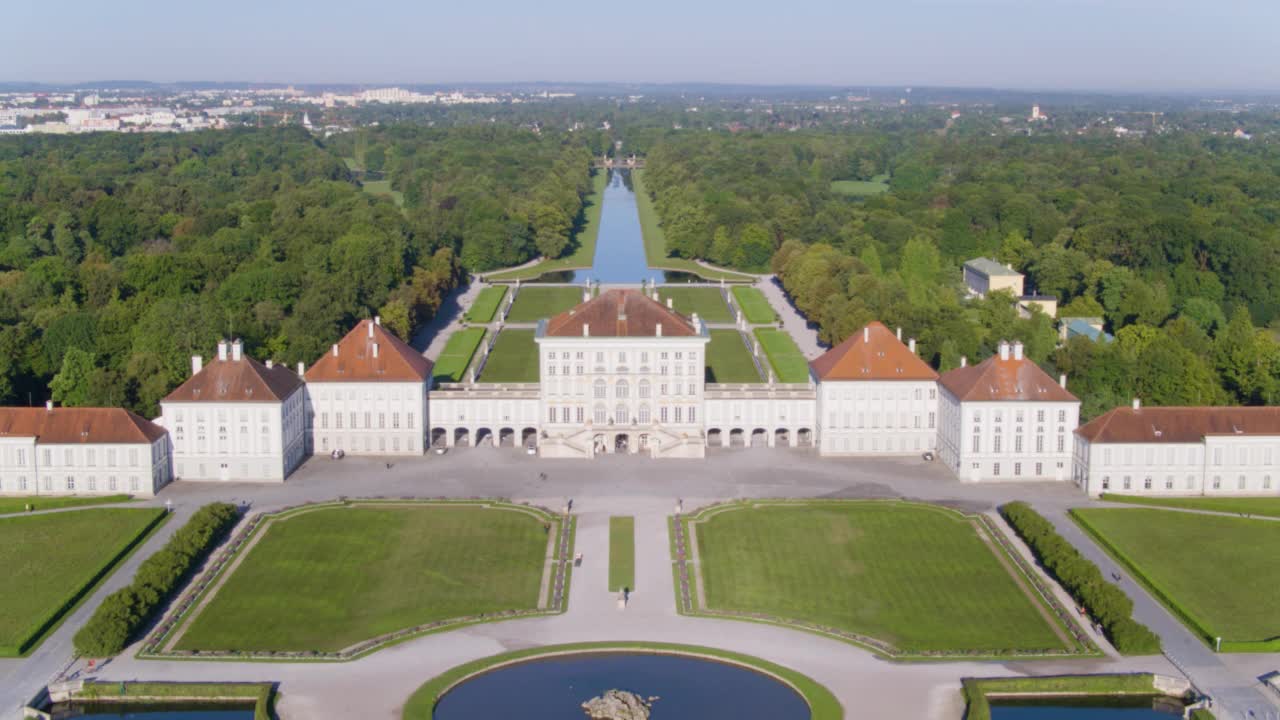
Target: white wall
point(369, 418)
point(877, 417)
point(1046, 430)
point(1218, 465)
point(29, 468)
point(245, 441)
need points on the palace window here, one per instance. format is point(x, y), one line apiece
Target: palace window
point(662, 413)
point(1106, 482)
point(622, 390)
point(598, 415)
point(644, 415)
point(620, 414)
point(995, 469)
point(644, 389)
point(1017, 468)
point(1146, 483)
point(600, 390)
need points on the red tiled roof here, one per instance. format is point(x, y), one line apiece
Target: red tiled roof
point(243, 380)
point(396, 361)
point(872, 353)
point(995, 379)
point(79, 425)
point(1179, 424)
point(620, 313)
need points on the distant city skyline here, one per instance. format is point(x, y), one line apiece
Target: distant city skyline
point(1117, 45)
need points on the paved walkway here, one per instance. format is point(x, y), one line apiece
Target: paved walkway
point(376, 686)
point(432, 337)
point(801, 330)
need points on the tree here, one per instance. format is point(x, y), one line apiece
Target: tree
point(395, 317)
point(73, 385)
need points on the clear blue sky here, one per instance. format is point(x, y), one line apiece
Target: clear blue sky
point(1103, 44)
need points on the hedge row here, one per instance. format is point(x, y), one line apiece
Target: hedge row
point(1106, 603)
point(130, 608)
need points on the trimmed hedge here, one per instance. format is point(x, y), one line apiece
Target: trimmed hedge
point(1106, 603)
point(125, 611)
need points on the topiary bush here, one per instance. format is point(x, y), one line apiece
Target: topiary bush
point(123, 612)
point(1080, 577)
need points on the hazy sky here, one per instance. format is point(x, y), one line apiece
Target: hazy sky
point(1088, 44)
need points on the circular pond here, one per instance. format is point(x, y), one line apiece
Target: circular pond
point(554, 688)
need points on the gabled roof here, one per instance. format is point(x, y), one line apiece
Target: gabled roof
point(243, 380)
point(1179, 424)
point(79, 425)
point(872, 353)
point(994, 379)
point(990, 268)
point(620, 313)
point(355, 361)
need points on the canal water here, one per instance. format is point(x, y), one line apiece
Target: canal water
point(1087, 709)
point(687, 689)
point(153, 711)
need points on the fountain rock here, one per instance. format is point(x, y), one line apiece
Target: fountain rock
point(618, 705)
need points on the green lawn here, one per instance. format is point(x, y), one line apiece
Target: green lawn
point(788, 363)
point(655, 242)
point(513, 359)
point(728, 360)
point(383, 188)
point(18, 503)
point(486, 304)
point(1219, 573)
point(1265, 506)
point(51, 560)
point(533, 302)
point(326, 579)
point(706, 301)
point(452, 364)
point(754, 305)
point(584, 240)
point(918, 577)
point(859, 188)
point(622, 553)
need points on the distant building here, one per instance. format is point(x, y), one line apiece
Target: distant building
point(1006, 419)
point(1180, 451)
point(1083, 327)
point(984, 275)
point(875, 396)
point(368, 395)
point(1036, 115)
point(81, 451)
point(1047, 304)
point(236, 419)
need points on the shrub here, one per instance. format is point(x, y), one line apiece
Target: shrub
point(1080, 577)
point(125, 611)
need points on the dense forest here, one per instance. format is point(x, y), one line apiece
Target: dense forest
point(1172, 240)
point(123, 255)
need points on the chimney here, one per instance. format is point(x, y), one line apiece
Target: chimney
point(271, 364)
point(1062, 380)
point(866, 334)
point(586, 329)
point(222, 349)
point(899, 334)
point(659, 330)
point(335, 349)
point(237, 350)
point(1004, 350)
point(1017, 350)
point(911, 345)
point(375, 349)
point(48, 406)
point(1137, 404)
point(197, 364)
point(964, 361)
point(669, 306)
point(370, 329)
point(302, 370)
point(377, 319)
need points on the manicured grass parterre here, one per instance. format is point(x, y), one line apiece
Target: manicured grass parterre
point(822, 704)
point(324, 579)
point(533, 303)
point(1264, 506)
point(51, 561)
point(1219, 574)
point(977, 691)
point(383, 188)
point(583, 243)
point(706, 301)
point(754, 305)
point(486, 304)
point(622, 553)
point(921, 578)
point(19, 503)
point(452, 364)
point(859, 188)
point(513, 359)
point(728, 360)
point(655, 241)
point(789, 365)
